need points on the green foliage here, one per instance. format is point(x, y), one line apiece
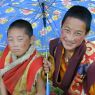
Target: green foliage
point(1, 53)
point(56, 90)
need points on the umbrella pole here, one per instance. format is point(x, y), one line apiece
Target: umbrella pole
point(44, 23)
point(47, 79)
point(47, 86)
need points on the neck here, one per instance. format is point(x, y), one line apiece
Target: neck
point(68, 54)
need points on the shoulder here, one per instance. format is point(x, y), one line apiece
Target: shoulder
point(90, 52)
point(54, 40)
point(3, 57)
point(52, 45)
point(38, 56)
point(90, 47)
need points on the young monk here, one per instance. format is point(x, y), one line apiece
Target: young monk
point(74, 56)
point(21, 64)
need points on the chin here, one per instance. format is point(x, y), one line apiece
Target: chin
point(69, 48)
point(19, 55)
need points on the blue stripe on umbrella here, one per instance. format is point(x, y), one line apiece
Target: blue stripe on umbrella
point(47, 87)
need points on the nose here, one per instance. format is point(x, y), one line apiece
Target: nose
point(70, 37)
point(13, 43)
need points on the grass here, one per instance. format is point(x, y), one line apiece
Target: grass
point(1, 53)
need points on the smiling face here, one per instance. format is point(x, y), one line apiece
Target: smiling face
point(73, 33)
point(18, 41)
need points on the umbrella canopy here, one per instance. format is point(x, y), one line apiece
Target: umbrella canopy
point(44, 15)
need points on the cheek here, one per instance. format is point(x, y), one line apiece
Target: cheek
point(10, 47)
point(25, 45)
point(63, 34)
point(79, 39)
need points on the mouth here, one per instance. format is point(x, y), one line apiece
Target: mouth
point(69, 43)
point(16, 50)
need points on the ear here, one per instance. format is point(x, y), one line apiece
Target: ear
point(86, 35)
point(33, 39)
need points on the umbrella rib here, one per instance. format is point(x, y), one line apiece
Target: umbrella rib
point(58, 8)
point(20, 7)
point(37, 18)
point(47, 18)
point(52, 3)
point(73, 1)
point(36, 12)
point(63, 4)
point(54, 6)
point(51, 26)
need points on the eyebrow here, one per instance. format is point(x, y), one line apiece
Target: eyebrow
point(70, 28)
point(10, 37)
point(80, 31)
point(17, 36)
point(66, 27)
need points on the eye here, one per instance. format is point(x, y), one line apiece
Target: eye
point(20, 39)
point(10, 39)
point(66, 30)
point(78, 34)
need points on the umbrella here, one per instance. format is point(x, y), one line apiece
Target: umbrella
point(44, 15)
